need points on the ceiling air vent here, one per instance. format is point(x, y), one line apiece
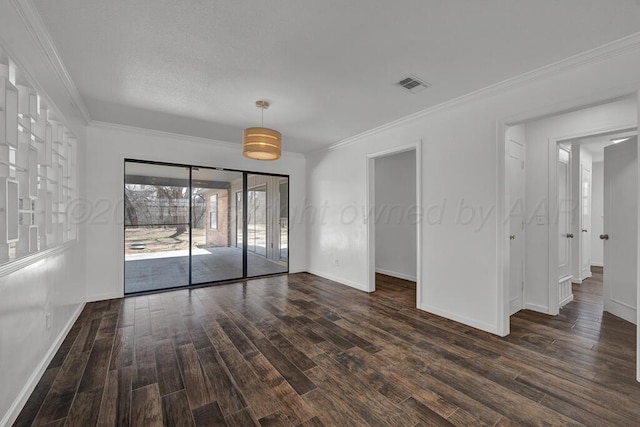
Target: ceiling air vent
point(413, 84)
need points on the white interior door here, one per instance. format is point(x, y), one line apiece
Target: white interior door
point(516, 221)
point(585, 231)
point(621, 229)
point(564, 211)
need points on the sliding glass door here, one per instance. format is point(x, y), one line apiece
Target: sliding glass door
point(187, 225)
point(156, 227)
point(264, 235)
point(214, 253)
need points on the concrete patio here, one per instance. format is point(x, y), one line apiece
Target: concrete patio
point(163, 270)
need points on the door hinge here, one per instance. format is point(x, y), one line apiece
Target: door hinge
point(523, 164)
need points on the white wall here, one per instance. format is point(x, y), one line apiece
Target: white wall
point(48, 282)
point(584, 122)
point(395, 196)
point(597, 214)
point(52, 285)
point(461, 265)
point(108, 146)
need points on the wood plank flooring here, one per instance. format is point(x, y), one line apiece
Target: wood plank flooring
point(299, 350)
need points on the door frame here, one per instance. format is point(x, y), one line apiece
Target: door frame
point(370, 205)
point(502, 230)
point(552, 197)
point(580, 216)
point(508, 217)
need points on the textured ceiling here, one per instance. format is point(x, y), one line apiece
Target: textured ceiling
point(196, 67)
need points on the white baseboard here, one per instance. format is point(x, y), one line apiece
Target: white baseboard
point(340, 280)
point(537, 307)
point(596, 264)
point(17, 405)
point(579, 280)
point(396, 274)
point(105, 296)
point(492, 329)
point(566, 301)
point(621, 310)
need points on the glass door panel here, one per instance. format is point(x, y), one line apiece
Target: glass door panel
point(215, 252)
point(239, 220)
point(156, 223)
point(257, 220)
point(284, 220)
point(264, 235)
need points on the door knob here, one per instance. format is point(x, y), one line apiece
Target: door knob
point(569, 236)
point(512, 237)
point(584, 231)
point(604, 236)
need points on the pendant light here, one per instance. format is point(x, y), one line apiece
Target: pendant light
point(260, 143)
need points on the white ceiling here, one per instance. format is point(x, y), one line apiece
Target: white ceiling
point(196, 67)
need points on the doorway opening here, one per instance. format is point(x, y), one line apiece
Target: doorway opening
point(602, 210)
point(394, 222)
point(188, 225)
point(557, 266)
point(547, 193)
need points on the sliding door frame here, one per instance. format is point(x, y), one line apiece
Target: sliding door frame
point(245, 175)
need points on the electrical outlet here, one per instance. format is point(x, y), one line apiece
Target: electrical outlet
point(48, 320)
point(337, 262)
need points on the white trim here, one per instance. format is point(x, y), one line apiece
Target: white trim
point(397, 274)
point(622, 310)
point(460, 319)
point(105, 296)
point(537, 307)
point(597, 264)
point(20, 400)
point(624, 304)
point(566, 301)
point(638, 266)
point(503, 254)
point(601, 53)
point(552, 197)
point(342, 281)
point(419, 242)
point(370, 203)
point(11, 267)
point(36, 27)
point(182, 137)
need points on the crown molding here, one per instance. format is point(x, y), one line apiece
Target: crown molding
point(600, 53)
point(34, 24)
point(182, 137)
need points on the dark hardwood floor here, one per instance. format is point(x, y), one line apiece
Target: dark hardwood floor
point(300, 350)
